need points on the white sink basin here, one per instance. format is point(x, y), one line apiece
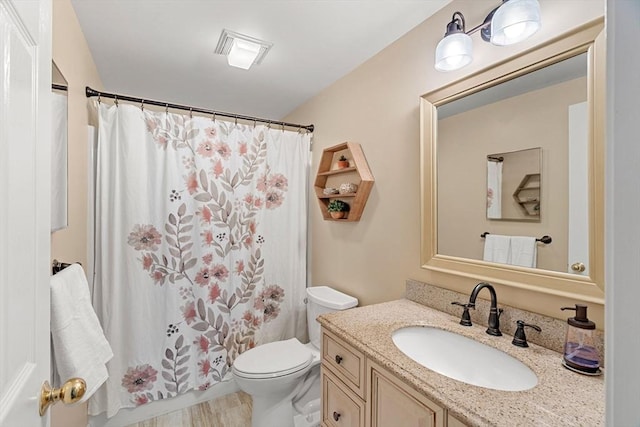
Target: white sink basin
point(464, 359)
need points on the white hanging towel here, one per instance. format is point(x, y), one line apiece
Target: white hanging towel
point(497, 248)
point(80, 348)
point(524, 251)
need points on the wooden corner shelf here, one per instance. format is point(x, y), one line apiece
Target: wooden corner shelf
point(357, 173)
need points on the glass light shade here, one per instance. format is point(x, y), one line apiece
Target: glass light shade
point(242, 53)
point(514, 21)
point(453, 52)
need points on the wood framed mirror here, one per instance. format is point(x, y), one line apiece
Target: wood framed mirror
point(454, 192)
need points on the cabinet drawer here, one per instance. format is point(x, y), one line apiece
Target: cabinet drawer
point(345, 361)
point(340, 406)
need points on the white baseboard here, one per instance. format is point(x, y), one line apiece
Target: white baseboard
point(128, 416)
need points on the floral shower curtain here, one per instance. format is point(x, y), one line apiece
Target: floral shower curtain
point(200, 248)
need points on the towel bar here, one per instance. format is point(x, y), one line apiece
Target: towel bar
point(57, 266)
point(544, 239)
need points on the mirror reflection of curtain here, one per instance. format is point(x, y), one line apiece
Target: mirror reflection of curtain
point(59, 161)
point(494, 189)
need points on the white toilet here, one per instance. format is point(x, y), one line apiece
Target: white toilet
point(278, 374)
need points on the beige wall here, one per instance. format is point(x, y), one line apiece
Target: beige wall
point(72, 56)
point(464, 141)
point(377, 105)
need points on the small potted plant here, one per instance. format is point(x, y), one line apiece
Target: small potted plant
point(337, 209)
point(343, 162)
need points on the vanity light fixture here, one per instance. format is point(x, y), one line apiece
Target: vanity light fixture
point(242, 51)
point(511, 22)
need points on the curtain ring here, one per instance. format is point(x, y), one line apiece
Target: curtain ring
point(213, 117)
point(191, 113)
point(142, 104)
point(282, 124)
point(236, 121)
point(115, 100)
point(269, 125)
point(254, 123)
point(166, 108)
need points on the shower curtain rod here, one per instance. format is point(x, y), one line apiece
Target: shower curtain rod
point(92, 92)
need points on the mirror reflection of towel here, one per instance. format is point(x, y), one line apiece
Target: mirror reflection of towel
point(497, 248)
point(513, 250)
point(524, 251)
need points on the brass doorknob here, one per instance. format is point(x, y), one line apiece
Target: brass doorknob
point(70, 392)
point(578, 267)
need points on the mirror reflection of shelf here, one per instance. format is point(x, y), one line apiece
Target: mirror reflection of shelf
point(530, 185)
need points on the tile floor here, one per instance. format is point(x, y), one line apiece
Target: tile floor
point(232, 410)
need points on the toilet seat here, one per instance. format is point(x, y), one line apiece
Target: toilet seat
point(272, 360)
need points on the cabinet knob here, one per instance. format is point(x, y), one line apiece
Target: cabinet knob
point(338, 360)
point(336, 416)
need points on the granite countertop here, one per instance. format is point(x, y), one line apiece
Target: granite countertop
point(561, 398)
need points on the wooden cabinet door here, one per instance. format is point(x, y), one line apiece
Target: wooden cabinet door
point(340, 406)
point(393, 403)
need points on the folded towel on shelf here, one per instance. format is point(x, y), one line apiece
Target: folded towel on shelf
point(524, 251)
point(80, 348)
point(497, 248)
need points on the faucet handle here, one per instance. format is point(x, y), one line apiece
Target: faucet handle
point(519, 338)
point(465, 320)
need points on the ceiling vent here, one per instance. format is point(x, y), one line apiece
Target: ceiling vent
point(242, 51)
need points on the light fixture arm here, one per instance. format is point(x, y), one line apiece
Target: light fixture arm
point(457, 24)
point(484, 27)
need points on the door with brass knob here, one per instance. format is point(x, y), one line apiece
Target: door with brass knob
point(578, 267)
point(25, 238)
point(70, 392)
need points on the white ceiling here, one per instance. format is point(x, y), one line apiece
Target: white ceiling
point(163, 49)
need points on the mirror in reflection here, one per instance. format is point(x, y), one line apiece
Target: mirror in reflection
point(513, 185)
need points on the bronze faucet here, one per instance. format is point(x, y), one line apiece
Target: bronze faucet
point(494, 313)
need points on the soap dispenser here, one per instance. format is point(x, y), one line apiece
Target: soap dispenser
point(580, 353)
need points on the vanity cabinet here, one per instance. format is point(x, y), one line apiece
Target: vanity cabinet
point(357, 391)
point(357, 173)
point(393, 403)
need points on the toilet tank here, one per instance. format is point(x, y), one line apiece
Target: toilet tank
point(320, 300)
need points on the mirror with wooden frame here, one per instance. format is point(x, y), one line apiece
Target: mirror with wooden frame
point(458, 132)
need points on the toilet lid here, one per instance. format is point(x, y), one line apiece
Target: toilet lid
point(273, 359)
